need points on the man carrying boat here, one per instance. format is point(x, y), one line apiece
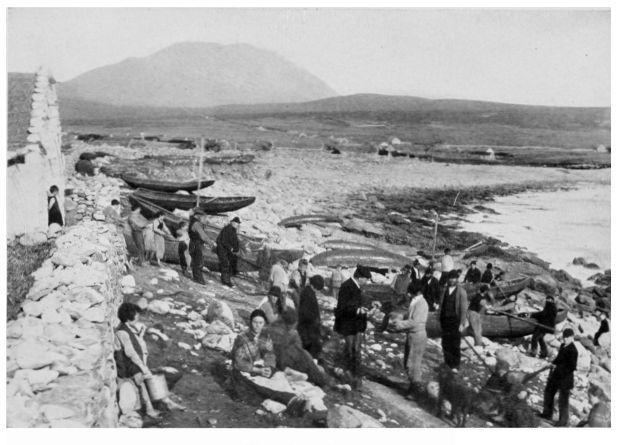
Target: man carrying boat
point(197, 240)
point(546, 318)
point(453, 320)
point(227, 249)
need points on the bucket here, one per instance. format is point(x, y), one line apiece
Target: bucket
point(157, 387)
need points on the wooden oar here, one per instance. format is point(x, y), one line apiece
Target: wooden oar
point(531, 375)
point(477, 355)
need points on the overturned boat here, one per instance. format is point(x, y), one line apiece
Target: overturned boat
point(298, 221)
point(353, 257)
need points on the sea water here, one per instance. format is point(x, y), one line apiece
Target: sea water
point(558, 226)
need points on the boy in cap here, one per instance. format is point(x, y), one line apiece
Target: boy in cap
point(227, 249)
point(473, 274)
point(351, 319)
point(561, 378)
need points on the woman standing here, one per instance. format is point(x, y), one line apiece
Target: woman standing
point(54, 215)
point(309, 325)
point(154, 238)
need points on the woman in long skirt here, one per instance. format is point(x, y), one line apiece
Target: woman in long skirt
point(154, 239)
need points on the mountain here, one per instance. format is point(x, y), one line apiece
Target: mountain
point(196, 75)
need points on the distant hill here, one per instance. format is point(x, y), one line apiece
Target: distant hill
point(197, 74)
point(418, 110)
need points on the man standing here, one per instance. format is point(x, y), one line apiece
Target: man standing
point(447, 266)
point(477, 305)
point(416, 275)
point(336, 280)
point(473, 274)
point(546, 318)
point(309, 325)
point(401, 283)
point(197, 240)
point(137, 223)
point(561, 379)
point(299, 279)
point(453, 320)
point(351, 319)
point(54, 215)
point(227, 249)
point(278, 276)
point(431, 289)
point(415, 327)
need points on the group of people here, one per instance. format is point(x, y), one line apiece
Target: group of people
point(149, 235)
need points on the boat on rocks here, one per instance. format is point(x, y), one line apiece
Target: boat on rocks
point(174, 222)
point(231, 159)
point(384, 292)
point(135, 181)
point(352, 257)
point(298, 221)
point(495, 325)
point(210, 204)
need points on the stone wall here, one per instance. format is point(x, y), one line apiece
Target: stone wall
point(28, 182)
point(60, 365)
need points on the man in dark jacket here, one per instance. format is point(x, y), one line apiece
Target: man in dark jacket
point(227, 249)
point(431, 290)
point(561, 379)
point(546, 318)
point(473, 274)
point(309, 325)
point(487, 276)
point(453, 320)
point(351, 319)
point(197, 240)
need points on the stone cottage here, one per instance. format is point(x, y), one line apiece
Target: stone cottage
point(34, 158)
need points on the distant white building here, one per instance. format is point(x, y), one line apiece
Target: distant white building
point(490, 154)
point(601, 149)
point(396, 141)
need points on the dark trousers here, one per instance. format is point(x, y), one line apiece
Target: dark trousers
point(451, 343)
point(138, 239)
point(353, 352)
point(554, 386)
point(181, 251)
point(228, 266)
point(538, 339)
point(195, 251)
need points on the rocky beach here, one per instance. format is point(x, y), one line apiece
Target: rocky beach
point(386, 202)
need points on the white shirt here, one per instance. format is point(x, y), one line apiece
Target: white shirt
point(447, 263)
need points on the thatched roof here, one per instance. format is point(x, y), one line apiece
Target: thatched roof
point(20, 89)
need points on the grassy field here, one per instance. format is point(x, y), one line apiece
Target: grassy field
point(21, 262)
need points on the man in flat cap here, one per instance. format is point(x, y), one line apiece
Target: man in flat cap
point(227, 249)
point(197, 240)
point(453, 319)
point(351, 320)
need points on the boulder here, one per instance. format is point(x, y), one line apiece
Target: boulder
point(53, 230)
point(343, 416)
point(544, 283)
point(398, 218)
point(128, 281)
point(219, 310)
point(33, 238)
point(57, 412)
point(507, 356)
point(33, 354)
point(583, 359)
point(600, 380)
point(159, 307)
point(273, 407)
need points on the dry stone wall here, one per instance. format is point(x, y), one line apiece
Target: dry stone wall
point(28, 182)
point(60, 364)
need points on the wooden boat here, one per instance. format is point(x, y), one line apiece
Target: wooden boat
point(503, 289)
point(297, 221)
point(236, 159)
point(174, 222)
point(353, 257)
point(166, 186)
point(171, 201)
point(494, 325)
point(383, 292)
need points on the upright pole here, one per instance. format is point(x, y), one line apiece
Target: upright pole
point(435, 233)
point(202, 155)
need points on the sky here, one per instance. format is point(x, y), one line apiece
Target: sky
point(530, 56)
